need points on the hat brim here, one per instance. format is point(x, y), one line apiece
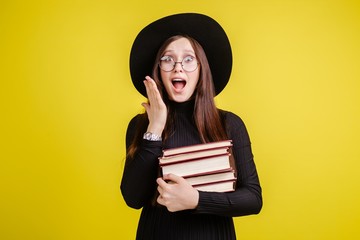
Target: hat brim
point(204, 29)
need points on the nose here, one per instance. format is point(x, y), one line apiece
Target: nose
point(178, 67)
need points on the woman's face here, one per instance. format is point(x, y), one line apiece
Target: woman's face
point(180, 84)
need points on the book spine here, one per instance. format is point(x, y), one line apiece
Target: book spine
point(197, 147)
point(209, 173)
point(217, 187)
point(164, 163)
point(213, 183)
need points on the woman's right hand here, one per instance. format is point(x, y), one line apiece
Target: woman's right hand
point(156, 108)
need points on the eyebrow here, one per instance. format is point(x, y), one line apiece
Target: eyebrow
point(185, 51)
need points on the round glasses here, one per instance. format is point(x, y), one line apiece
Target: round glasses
point(189, 64)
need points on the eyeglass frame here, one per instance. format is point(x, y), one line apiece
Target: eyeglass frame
point(181, 63)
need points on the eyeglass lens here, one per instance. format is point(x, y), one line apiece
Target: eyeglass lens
point(189, 64)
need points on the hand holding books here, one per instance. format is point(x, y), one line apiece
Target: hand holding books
point(176, 194)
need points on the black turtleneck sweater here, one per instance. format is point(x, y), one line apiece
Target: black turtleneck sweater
point(212, 219)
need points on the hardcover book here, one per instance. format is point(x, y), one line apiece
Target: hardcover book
point(207, 166)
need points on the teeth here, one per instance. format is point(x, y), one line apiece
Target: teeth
point(177, 80)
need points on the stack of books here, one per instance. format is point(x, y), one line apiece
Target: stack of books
point(207, 167)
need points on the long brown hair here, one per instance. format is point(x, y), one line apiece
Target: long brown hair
point(206, 116)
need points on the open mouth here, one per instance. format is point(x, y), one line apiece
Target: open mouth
point(178, 83)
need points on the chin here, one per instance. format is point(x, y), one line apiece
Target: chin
point(180, 99)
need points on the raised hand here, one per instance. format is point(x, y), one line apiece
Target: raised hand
point(155, 108)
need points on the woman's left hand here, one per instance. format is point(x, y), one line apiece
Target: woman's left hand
point(177, 194)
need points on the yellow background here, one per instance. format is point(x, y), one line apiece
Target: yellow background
point(66, 98)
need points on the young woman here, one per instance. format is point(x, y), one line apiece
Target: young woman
point(191, 61)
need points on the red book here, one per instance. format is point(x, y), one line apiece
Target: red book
point(198, 166)
point(227, 175)
point(227, 186)
point(197, 147)
point(192, 155)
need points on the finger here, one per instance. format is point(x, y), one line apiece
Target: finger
point(148, 78)
point(148, 90)
point(161, 183)
point(151, 89)
point(150, 84)
point(160, 200)
point(160, 190)
point(173, 178)
point(148, 87)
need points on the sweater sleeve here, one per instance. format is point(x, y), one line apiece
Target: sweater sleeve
point(247, 198)
point(138, 182)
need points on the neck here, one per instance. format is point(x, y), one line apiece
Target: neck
point(187, 106)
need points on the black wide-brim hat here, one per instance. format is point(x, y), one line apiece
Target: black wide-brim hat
point(204, 29)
